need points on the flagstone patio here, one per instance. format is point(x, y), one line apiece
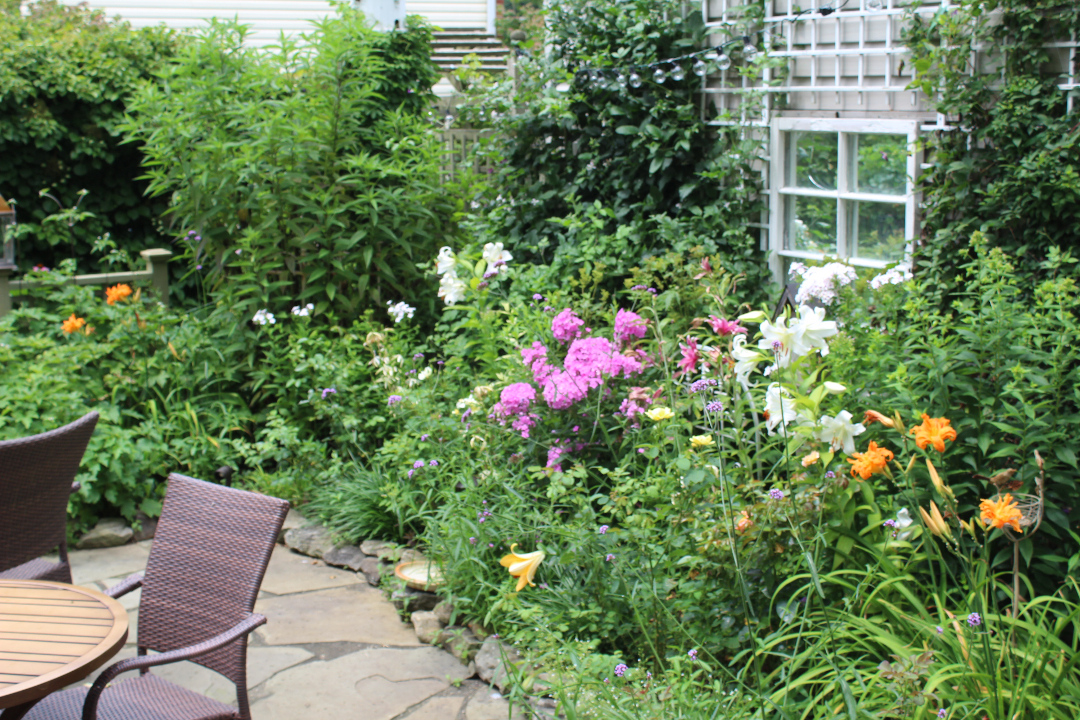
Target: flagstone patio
point(333, 647)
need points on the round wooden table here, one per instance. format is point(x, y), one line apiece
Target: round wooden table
point(52, 635)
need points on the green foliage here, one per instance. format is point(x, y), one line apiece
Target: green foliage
point(301, 174)
point(66, 75)
point(1012, 167)
point(593, 173)
point(1003, 360)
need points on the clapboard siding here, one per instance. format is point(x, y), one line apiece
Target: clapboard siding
point(269, 18)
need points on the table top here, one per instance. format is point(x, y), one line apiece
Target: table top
point(52, 635)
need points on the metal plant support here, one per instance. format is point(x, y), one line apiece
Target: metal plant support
point(1032, 508)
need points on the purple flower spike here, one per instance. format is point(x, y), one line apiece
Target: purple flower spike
point(603, 529)
point(692, 654)
point(434, 463)
point(394, 400)
point(776, 494)
point(620, 670)
point(610, 557)
point(974, 620)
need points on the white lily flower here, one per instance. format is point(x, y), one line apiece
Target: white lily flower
point(780, 339)
point(745, 359)
point(451, 290)
point(780, 407)
point(494, 253)
point(445, 262)
point(834, 387)
point(839, 431)
point(811, 329)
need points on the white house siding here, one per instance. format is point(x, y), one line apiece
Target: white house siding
point(269, 18)
point(455, 14)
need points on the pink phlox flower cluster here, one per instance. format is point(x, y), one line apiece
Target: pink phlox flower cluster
point(514, 403)
point(724, 327)
point(628, 326)
point(690, 356)
point(566, 326)
point(535, 358)
point(821, 283)
point(588, 362)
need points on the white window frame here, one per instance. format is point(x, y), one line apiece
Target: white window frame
point(779, 191)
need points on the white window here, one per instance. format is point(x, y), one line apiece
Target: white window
point(842, 189)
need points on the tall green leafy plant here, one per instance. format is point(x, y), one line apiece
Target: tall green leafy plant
point(300, 174)
point(66, 74)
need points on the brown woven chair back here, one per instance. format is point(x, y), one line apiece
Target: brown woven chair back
point(210, 552)
point(36, 475)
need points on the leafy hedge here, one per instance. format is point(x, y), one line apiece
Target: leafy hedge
point(66, 74)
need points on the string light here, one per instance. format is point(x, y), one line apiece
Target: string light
point(615, 79)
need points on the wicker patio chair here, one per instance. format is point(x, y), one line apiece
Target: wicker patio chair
point(37, 475)
point(208, 559)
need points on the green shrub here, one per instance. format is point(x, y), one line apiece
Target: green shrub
point(304, 174)
point(66, 75)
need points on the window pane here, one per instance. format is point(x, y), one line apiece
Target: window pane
point(814, 157)
point(878, 229)
point(880, 163)
point(811, 224)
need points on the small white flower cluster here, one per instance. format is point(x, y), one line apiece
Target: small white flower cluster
point(264, 317)
point(303, 311)
point(892, 276)
point(820, 283)
point(399, 311)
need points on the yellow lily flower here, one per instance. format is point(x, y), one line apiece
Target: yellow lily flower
point(522, 566)
point(934, 522)
point(660, 413)
point(701, 441)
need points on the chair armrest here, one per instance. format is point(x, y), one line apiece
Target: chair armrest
point(125, 586)
point(245, 626)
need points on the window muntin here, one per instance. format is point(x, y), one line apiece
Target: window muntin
point(843, 188)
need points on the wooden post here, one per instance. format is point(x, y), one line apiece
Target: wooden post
point(5, 290)
point(157, 264)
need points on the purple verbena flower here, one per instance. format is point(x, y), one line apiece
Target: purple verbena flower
point(692, 654)
point(620, 670)
point(537, 296)
point(714, 407)
point(394, 400)
point(433, 463)
point(328, 391)
point(418, 464)
point(610, 557)
point(776, 494)
point(974, 619)
point(472, 541)
point(424, 437)
point(702, 384)
point(603, 529)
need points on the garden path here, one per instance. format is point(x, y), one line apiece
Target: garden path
point(333, 647)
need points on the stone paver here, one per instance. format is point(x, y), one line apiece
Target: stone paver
point(289, 572)
point(353, 614)
point(333, 647)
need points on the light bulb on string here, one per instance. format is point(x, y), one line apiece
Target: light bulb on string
point(723, 61)
point(700, 68)
point(677, 73)
point(749, 50)
point(875, 4)
point(635, 80)
point(659, 76)
point(620, 80)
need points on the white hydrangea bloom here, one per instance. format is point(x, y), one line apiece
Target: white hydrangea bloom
point(820, 283)
point(892, 276)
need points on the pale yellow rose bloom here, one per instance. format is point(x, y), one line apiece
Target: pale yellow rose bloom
point(660, 413)
point(701, 441)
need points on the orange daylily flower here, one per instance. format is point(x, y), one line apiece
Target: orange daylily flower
point(744, 523)
point(1002, 512)
point(933, 431)
point(874, 460)
point(873, 416)
point(72, 324)
point(117, 292)
point(522, 566)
